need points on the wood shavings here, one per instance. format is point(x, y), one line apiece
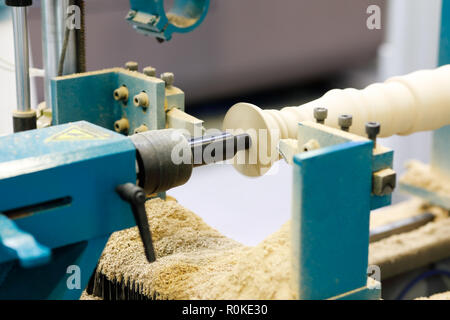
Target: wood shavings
point(438, 296)
point(194, 261)
point(423, 176)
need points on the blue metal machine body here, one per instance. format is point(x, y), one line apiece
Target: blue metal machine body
point(332, 200)
point(58, 194)
point(151, 18)
point(89, 97)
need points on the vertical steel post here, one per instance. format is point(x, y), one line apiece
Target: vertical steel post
point(21, 58)
point(24, 118)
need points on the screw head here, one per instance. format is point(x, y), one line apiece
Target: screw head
point(168, 78)
point(320, 114)
point(345, 121)
point(149, 71)
point(132, 66)
point(372, 129)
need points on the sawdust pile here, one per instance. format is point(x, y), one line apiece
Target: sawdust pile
point(438, 296)
point(194, 261)
point(423, 176)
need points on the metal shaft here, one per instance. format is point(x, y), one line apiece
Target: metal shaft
point(211, 149)
point(22, 63)
point(161, 161)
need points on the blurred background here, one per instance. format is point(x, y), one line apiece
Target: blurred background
point(270, 53)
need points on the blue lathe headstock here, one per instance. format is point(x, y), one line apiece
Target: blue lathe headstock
point(58, 191)
point(66, 188)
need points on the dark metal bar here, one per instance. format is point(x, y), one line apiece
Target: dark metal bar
point(216, 148)
point(401, 226)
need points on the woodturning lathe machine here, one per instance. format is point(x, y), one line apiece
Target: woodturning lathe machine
point(340, 172)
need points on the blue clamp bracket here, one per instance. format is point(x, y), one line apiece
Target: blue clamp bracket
point(150, 17)
point(29, 252)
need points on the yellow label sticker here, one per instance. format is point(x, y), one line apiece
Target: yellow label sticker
point(76, 133)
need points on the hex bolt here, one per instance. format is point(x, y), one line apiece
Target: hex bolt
point(149, 71)
point(132, 66)
point(122, 125)
point(372, 130)
point(141, 100)
point(320, 114)
point(121, 94)
point(168, 78)
point(345, 122)
point(141, 129)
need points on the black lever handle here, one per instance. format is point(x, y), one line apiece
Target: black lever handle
point(135, 196)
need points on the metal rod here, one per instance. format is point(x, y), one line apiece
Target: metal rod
point(20, 26)
point(71, 59)
point(54, 24)
point(401, 226)
point(50, 44)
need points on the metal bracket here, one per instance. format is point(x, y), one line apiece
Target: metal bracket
point(150, 17)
